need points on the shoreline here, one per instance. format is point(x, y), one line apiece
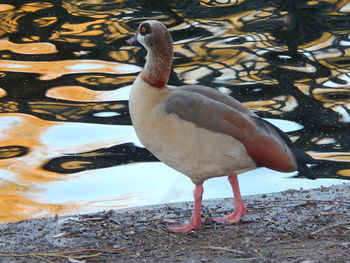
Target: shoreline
point(290, 226)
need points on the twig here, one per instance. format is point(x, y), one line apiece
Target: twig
point(42, 258)
point(64, 253)
point(302, 200)
point(244, 259)
point(115, 221)
point(115, 229)
point(329, 226)
point(328, 214)
point(16, 255)
point(93, 250)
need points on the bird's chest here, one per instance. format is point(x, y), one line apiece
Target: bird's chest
point(162, 134)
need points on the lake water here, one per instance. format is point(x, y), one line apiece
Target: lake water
point(66, 141)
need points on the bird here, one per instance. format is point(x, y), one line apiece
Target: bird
point(200, 131)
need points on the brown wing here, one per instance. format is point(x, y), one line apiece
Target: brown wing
point(264, 145)
point(218, 97)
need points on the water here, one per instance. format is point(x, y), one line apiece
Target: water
point(66, 142)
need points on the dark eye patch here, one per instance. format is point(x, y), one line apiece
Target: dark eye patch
point(145, 29)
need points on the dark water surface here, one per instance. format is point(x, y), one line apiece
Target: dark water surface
point(65, 73)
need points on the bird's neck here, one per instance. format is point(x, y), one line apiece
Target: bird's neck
point(158, 65)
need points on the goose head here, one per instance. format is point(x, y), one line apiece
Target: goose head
point(155, 37)
point(150, 33)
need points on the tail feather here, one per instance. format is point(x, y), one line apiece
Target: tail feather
point(301, 157)
point(305, 171)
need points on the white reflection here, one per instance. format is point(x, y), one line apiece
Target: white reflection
point(154, 183)
point(74, 134)
point(7, 122)
point(85, 66)
point(118, 94)
point(7, 176)
point(104, 114)
point(284, 125)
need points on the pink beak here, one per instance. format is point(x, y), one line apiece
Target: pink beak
point(132, 40)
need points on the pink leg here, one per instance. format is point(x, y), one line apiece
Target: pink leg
point(240, 208)
point(196, 219)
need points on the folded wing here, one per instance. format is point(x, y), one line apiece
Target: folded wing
point(263, 143)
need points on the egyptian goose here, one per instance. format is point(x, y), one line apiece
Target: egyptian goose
point(200, 131)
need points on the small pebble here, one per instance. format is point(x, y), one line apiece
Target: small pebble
point(169, 220)
point(129, 233)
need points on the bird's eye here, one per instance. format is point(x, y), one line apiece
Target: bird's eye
point(145, 29)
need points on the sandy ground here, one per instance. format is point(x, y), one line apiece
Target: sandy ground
point(293, 226)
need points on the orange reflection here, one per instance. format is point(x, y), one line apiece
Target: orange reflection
point(3, 93)
point(105, 26)
point(5, 7)
point(328, 95)
point(15, 203)
point(73, 93)
point(22, 178)
point(54, 69)
point(28, 48)
point(324, 41)
point(345, 172)
point(24, 130)
point(45, 21)
point(332, 156)
point(32, 7)
point(80, 29)
point(276, 106)
point(78, 93)
point(15, 206)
